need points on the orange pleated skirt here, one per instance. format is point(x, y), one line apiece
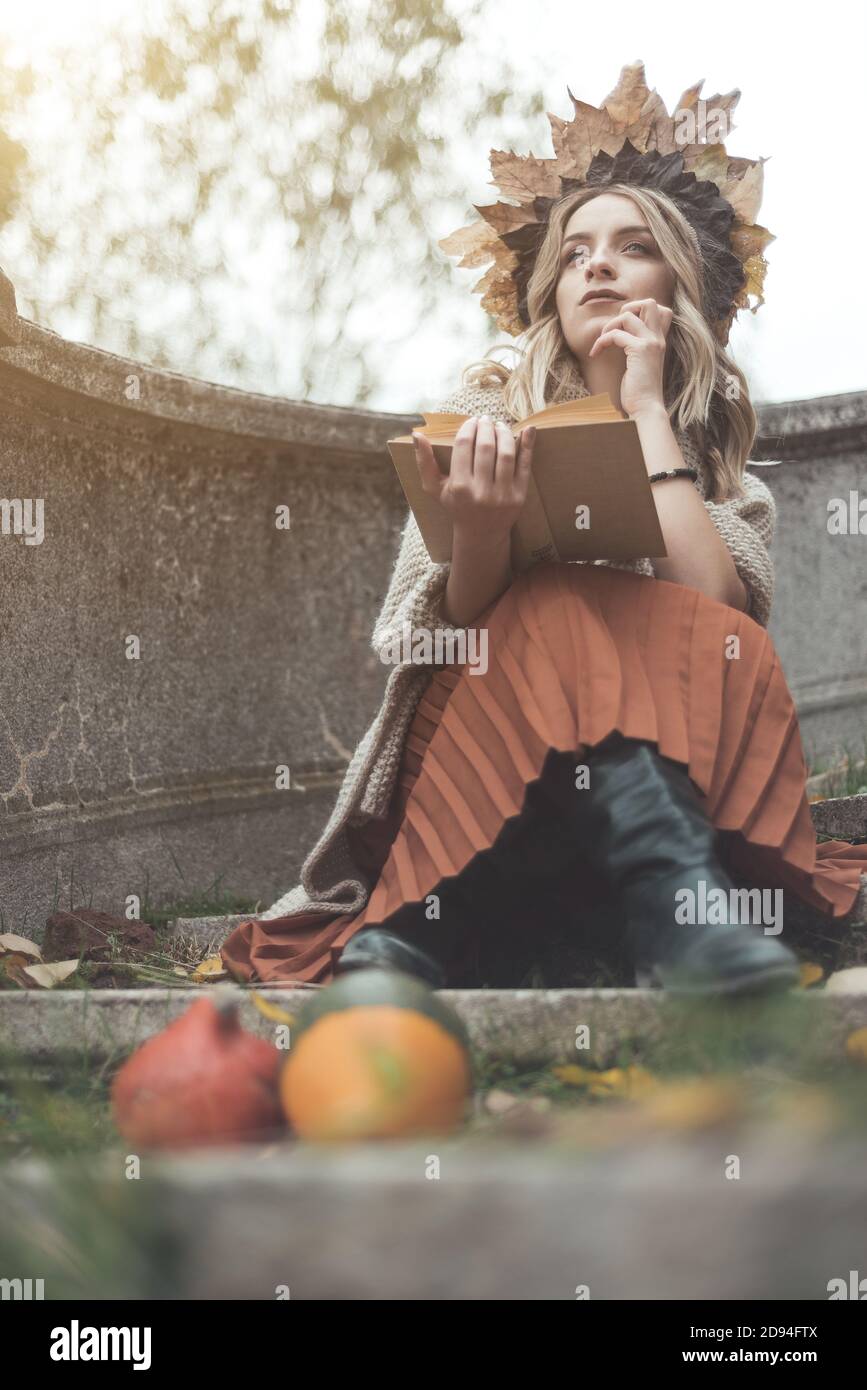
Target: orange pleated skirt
point(575, 652)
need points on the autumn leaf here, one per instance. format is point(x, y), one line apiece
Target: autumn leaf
point(52, 974)
point(810, 974)
point(633, 112)
point(694, 1104)
point(19, 944)
point(210, 970)
point(856, 1045)
point(269, 1010)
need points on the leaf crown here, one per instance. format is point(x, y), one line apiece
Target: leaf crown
point(630, 138)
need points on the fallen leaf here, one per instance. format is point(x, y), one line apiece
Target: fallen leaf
point(856, 1045)
point(47, 976)
point(210, 970)
point(19, 944)
point(14, 966)
point(811, 973)
point(627, 1082)
point(573, 1075)
point(697, 1103)
point(271, 1011)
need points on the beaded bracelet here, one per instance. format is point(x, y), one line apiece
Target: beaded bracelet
point(675, 473)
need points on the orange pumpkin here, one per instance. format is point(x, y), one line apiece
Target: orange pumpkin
point(201, 1081)
point(376, 1055)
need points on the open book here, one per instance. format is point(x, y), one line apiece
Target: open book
point(589, 496)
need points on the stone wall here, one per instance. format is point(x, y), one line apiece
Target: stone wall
point(121, 776)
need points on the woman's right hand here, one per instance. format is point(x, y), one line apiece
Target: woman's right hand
point(486, 486)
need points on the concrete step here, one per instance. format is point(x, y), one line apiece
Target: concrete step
point(843, 817)
point(455, 1219)
point(527, 1026)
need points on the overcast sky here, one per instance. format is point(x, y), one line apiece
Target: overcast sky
point(801, 74)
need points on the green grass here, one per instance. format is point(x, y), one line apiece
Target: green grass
point(211, 901)
point(91, 1233)
point(174, 951)
point(847, 768)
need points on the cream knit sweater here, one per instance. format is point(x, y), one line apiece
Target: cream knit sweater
point(330, 881)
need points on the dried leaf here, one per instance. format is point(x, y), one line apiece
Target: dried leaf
point(694, 1104)
point(856, 1045)
point(575, 145)
point(706, 162)
point(626, 1082)
point(625, 103)
point(500, 302)
point(810, 974)
point(22, 944)
point(210, 970)
point(631, 111)
point(476, 244)
point(505, 218)
point(573, 1075)
point(745, 193)
point(54, 973)
point(14, 966)
point(271, 1011)
point(750, 241)
point(524, 176)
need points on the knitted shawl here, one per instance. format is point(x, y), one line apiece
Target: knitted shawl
point(330, 881)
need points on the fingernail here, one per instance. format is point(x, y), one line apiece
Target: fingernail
point(486, 418)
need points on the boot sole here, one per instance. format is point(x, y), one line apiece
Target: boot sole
point(777, 977)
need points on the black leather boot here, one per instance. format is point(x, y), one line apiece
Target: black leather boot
point(382, 949)
point(410, 941)
point(641, 823)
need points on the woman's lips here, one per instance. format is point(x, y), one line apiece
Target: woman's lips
point(601, 299)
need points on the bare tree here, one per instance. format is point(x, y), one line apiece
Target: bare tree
point(232, 192)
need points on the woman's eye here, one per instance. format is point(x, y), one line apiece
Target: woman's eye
point(582, 250)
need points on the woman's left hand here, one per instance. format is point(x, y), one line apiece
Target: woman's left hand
point(640, 329)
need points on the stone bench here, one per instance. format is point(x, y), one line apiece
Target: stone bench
point(119, 776)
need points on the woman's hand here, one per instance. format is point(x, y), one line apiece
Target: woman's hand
point(641, 329)
point(486, 486)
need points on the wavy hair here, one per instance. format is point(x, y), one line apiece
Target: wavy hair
point(706, 393)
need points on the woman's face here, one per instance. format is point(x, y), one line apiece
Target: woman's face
point(608, 250)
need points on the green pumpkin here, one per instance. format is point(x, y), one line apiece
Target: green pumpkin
point(358, 988)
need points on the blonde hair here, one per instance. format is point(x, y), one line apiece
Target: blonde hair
point(706, 393)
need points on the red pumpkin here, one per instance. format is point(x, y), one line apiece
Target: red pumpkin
point(201, 1081)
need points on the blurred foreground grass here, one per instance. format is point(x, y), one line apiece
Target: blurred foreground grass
point(736, 1072)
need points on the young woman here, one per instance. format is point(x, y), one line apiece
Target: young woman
point(633, 725)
